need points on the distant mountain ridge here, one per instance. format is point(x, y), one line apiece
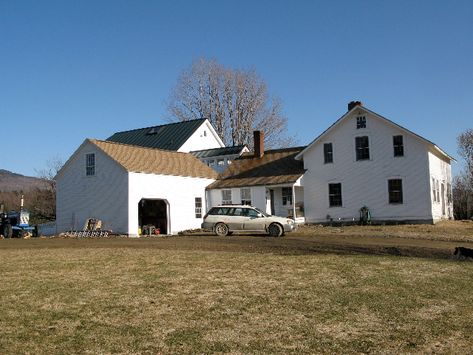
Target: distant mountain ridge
point(10, 181)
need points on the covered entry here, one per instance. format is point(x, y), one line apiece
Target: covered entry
point(153, 214)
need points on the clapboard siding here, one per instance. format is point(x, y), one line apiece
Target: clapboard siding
point(365, 183)
point(179, 192)
point(258, 196)
point(203, 138)
point(103, 196)
point(440, 170)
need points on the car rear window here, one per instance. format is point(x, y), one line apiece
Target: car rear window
point(219, 211)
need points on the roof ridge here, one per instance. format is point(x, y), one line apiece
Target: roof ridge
point(161, 125)
point(278, 150)
point(136, 146)
point(233, 146)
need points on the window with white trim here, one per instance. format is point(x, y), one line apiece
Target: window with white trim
point(360, 122)
point(286, 196)
point(328, 153)
point(433, 190)
point(198, 207)
point(395, 191)
point(362, 148)
point(226, 197)
point(90, 164)
point(335, 194)
point(398, 146)
point(245, 195)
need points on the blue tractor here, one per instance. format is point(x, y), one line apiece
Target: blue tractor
point(16, 224)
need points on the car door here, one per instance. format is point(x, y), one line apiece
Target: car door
point(254, 221)
point(235, 219)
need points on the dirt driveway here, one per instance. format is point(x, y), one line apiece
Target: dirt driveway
point(387, 240)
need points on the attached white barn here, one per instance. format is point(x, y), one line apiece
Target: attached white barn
point(128, 187)
point(364, 159)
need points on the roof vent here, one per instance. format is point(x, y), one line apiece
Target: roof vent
point(152, 131)
point(352, 104)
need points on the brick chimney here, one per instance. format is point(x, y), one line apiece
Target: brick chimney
point(352, 104)
point(258, 139)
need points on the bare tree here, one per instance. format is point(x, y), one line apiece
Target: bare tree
point(465, 149)
point(463, 183)
point(44, 199)
point(235, 101)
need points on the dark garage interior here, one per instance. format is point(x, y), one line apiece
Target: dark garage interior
point(153, 216)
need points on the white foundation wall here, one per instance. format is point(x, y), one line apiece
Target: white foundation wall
point(203, 138)
point(179, 192)
point(365, 183)
point(440, 171)
point(103, 196)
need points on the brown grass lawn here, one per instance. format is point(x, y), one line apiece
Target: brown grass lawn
point(332, 290)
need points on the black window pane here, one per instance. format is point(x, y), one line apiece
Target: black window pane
point(362, 148)
point(398, 146)
point(335, 194)
point(328, 153)
point(395, 190)
point(360, 122)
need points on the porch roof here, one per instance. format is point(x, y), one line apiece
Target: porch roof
point(276, 167)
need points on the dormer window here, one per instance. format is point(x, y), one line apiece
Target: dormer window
point(360, 122)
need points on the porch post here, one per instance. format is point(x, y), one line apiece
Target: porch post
point(294, 202)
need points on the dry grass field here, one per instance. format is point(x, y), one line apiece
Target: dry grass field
point(320, 290)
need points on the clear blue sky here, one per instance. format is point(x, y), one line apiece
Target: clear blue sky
point(76, 69)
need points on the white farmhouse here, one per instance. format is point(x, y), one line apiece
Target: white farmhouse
point(129, 187)
point(166, 176)
point(364, 159)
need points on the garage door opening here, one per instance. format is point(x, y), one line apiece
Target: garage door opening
point(153, 216)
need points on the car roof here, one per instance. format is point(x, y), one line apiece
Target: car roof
point(233, 206)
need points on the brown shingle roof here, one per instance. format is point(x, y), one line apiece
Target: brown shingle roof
point(155, 161)
point(274, 168)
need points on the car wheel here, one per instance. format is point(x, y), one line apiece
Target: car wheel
point(275, 230)
point(221, 229)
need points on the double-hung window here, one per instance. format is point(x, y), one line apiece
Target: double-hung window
point(226, 197)
point(286, 196)
point(328, 153)
point(398, 146)
point(245, 195)
point(395, 190)
point(335, 194)
point(362, 145)
point(434, 192)
point(198, 207)
point(90, 164)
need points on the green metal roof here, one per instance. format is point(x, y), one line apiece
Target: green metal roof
point(207, 153)
point(169, 136)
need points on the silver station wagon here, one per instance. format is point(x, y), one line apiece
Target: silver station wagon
point(226, 219)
